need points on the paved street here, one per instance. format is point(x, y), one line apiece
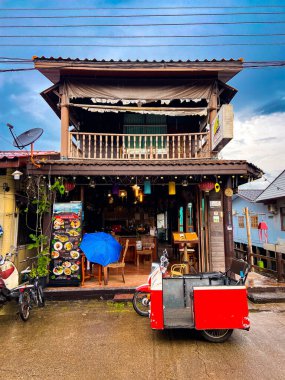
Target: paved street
point(105, 340)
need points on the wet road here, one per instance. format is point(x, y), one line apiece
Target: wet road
point(103, 340)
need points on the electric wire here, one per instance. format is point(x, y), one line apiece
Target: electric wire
point(147, 24)
point(141, 15)
point(146, 36)
point(245, 65)
point(145, 8)
point(147, 45)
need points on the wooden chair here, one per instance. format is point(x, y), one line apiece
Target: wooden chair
point(177, 270)
point(86, 275)
point(121, 264)
point(146, 251)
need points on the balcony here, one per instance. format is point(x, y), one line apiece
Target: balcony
point(91, 146)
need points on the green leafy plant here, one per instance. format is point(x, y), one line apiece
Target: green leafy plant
point(40, 244)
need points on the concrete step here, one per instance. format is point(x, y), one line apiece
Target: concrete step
point(267, 297)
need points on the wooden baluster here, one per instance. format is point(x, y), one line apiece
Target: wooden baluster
point(84, 146)
point(184, 146)
point(106, 147)
point(117, 145)
point(89, 146)
point(140, 146)
point(112, 147)
point(156, 148)
point(196, 146)
point(173, 146)
point(167, 146)
point(95, 146)
point(100, 146)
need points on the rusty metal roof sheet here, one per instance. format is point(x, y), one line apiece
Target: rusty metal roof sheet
point(11, 154)
point(152, 167)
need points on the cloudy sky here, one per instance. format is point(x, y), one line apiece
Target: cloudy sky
point(259, 105)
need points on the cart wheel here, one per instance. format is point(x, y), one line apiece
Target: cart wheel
point(216, 336)
point(24, 305)
point(141, 301)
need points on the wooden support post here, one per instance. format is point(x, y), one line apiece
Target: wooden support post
point(279, 265)
point(213, 112)
point(228, 227)
point(249, 244)
point(64, 116)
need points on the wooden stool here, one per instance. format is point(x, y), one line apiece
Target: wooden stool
point(144, 252)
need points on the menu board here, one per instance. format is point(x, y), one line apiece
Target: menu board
point(65, 266)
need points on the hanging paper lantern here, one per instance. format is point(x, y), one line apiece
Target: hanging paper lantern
point(136, 190)
point(140, 195)
point(171, 188)
point(206, 186)
point(217, 187)
point(147, 187)
point(69, 186)
point(123, 194)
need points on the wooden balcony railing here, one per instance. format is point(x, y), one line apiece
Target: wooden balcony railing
point(108, 146)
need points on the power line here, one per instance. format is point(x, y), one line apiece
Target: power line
point(145, 24)
point(142, 8)
point(146, 45)
point(246, 65)
point(146, 36)
point(142, 15)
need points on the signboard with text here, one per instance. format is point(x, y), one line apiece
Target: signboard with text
point(222, 127)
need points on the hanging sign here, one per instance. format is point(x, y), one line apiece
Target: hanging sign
point(222, 127)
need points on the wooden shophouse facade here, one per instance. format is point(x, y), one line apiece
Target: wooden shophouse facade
point(155, 126)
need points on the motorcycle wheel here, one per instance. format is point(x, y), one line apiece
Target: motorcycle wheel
point(141, 302)
point(216, 336)
point(40, 296)
point(24, 305)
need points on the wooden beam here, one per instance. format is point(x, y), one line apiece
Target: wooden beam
point(64, 117)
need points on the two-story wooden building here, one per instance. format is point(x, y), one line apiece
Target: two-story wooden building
point(140, 141)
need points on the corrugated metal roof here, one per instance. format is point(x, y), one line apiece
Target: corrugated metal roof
point(149, 167)
point(35, 58)
point(275, 190)
point(249, 195)
point(11, 154)
point(53, 68)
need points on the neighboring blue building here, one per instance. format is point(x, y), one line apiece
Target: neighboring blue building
point(267, 221)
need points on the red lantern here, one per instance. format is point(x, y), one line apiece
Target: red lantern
point(68, 186)
point(206, 186)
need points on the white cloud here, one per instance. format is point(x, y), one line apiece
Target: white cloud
point(259, 140)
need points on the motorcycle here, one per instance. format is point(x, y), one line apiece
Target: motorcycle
point(213, 303)
point(141, 298)
point(11, 290)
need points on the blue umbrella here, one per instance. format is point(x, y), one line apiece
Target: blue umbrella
point(101, 248)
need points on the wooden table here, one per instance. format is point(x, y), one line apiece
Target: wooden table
point(184, 238)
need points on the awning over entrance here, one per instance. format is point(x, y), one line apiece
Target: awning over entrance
point(139, 167)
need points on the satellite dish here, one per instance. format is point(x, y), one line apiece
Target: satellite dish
point(25, 139)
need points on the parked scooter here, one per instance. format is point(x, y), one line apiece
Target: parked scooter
point(11, 290)
point(141, 298)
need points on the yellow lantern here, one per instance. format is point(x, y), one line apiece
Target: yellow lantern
point(136, 190)
point(171, 188)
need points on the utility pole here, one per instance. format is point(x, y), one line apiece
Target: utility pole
point(249, 244)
